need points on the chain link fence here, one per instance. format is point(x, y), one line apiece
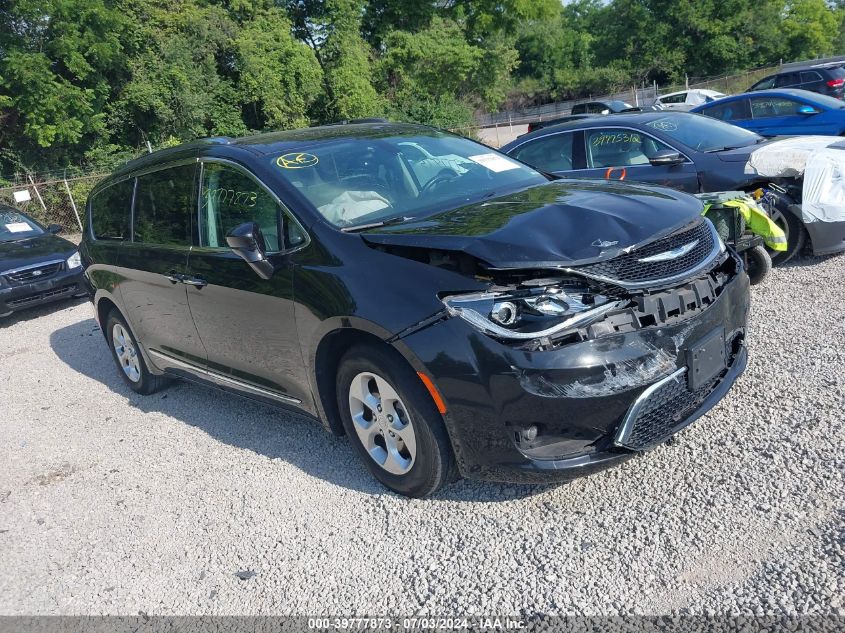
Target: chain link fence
point(53, 197)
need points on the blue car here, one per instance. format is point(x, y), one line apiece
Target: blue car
point(780, 112)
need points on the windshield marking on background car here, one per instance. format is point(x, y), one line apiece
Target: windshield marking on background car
point(665, 125)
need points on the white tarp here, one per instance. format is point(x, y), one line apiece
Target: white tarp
point(820, 160)
point(824, 186)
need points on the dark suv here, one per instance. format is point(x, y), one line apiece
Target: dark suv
point(450, 309)
point(827, 80)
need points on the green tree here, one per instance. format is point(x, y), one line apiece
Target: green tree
point(57, 62)
point(279, 78)
point(811, 29)
point(332, 28)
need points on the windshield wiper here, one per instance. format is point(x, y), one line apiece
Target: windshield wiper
point(373, 225)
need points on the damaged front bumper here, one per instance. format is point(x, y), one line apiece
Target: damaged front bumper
point(516, 414)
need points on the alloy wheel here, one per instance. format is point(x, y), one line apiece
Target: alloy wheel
point(382, 423)
point(126, 353)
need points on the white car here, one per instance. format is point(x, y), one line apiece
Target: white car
point(687, 99)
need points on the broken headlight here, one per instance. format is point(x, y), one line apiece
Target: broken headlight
point(522, 314)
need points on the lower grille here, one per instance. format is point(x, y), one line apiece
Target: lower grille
point(661, 412)
point(41, 296)
point(35, 273)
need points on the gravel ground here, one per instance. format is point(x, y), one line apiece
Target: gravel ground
point(191, 501)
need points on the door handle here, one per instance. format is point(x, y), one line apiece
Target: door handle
point(194, 281)
point(174, 277)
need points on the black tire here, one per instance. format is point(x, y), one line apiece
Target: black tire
point(796, 234)
point(433, 464)
point(146, 382)
point(758, 263)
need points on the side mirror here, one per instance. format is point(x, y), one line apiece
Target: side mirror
point(55, 228)
point(247, 241)
point(805, 109)
point(666, 157)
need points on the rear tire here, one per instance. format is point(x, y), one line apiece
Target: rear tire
point(128, 358)
point(393, 423)
point(758, 264)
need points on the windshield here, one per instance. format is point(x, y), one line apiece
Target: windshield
point(16, 226)
point(824, 100)
point(357, 181)
point(703, 133)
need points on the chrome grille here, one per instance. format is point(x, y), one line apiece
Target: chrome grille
point(629, 267)
point(33, 273)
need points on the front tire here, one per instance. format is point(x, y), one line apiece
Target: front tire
point(758, 264)
point(393, 423)
point(127, 356)
point(796, 234)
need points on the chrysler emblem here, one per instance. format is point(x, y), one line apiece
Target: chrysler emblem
point(602, 244)
point(675, 253)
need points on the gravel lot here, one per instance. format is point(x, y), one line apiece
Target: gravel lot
point(191, 501)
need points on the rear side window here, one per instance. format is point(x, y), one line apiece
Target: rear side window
point(163, 205)
point(809, 76)
point(550, 153)
point(230, 197)
point(110, 211)
point(679, 98)
point(731, 111)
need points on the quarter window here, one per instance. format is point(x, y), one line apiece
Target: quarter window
point(229, 197)
point(809, 76)
point(163, 205)
point(617, 147)
point(679, 98)
point(110, 211)
point(768, 107)
point(550, 153)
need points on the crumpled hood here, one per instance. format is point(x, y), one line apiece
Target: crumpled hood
point(33, 251)
point(553, 225)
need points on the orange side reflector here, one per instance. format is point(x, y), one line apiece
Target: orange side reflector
point(435, 395)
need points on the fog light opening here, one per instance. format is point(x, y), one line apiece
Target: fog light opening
point(528, 433)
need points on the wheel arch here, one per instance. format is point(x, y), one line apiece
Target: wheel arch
point(326, 362)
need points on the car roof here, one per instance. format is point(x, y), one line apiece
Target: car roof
point(272, 142)
point(622, 118)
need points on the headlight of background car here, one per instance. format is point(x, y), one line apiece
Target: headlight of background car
point(74, 261)
point(526, 314)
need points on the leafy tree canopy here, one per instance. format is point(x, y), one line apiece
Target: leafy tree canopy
point(91, 80)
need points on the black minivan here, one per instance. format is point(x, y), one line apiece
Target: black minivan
point(452, 310)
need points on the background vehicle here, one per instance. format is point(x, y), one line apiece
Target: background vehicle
point(780, 113)
point(827, 80)
point(536, 125)
point(600, 107)
point(686, 100)
point(685, 151)
point(36, 266)
point(323, 270)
